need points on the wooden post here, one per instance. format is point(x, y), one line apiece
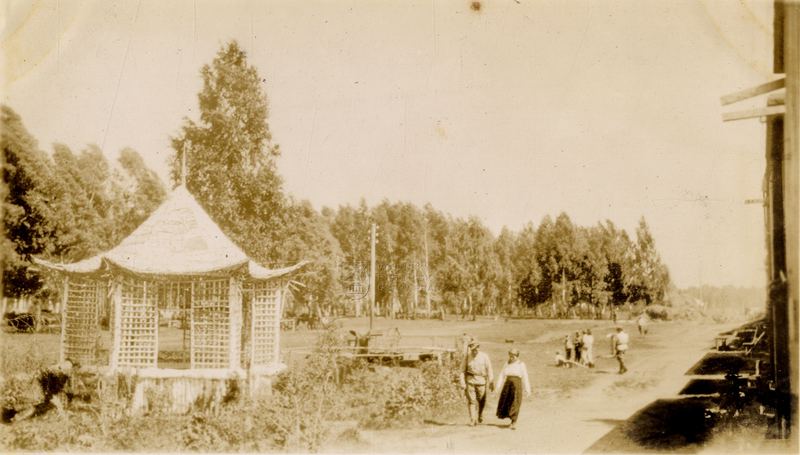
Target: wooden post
point(416, 294)
point(155, 341)
point(776, 238)
point(64, 301)
point(116, 337)
point(235, 324)
point(253, 324)
point(277, 328)
point(371, 275)
point(427, 274)
point(791, 201)
point(192, 348)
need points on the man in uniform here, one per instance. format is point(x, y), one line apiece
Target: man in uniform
point(619, 341)
point(476, 375)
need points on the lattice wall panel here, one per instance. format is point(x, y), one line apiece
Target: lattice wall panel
point(84, 298)
point(210, 324)
point(265, 322)
point(139, 324)
point(175, 303)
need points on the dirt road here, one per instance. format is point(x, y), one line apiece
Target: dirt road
point(553, 423)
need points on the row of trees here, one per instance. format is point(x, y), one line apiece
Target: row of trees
point(65, 205)
point(426, 259)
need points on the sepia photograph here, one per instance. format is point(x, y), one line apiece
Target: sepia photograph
point(400, 226)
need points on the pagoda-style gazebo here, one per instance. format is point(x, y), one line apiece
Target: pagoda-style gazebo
point(177, 260)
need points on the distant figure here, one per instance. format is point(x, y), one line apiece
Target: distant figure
point(619, 342)
point(512, 381)
point(587, 354)
point(569, 349)
point(561, 361)
point(476, 374)
point(578, 347)
point(642, 324)
point(613, 315)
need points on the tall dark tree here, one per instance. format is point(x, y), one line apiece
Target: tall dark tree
point(649, 277)
point(350, 226)
point(557, 256)
point(64, 208)
point(468, 276)
point(593, 266)
point(230, 156)
point(505, 276)
point(437, 228)
point(79, 227)
point(27, 174)
point(616, 246)
point(531, 288)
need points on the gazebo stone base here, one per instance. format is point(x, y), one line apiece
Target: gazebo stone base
point(181, 391)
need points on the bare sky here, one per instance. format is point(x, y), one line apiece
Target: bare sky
point(602, 109)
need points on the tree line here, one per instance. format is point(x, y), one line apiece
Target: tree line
point(64, 205)
point(69, 206)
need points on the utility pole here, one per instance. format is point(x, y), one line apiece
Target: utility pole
point(427, 275)
point(371, 274)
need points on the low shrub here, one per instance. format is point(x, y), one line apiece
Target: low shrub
point(300, 415)
point(658, 312)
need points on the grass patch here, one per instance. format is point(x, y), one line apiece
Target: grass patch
point(304, 411)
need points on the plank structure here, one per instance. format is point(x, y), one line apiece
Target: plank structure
point(210, 324)
point(138, 325)
point(80, 326)
point(265, 320)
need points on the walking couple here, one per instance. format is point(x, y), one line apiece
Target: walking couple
point(477, 375)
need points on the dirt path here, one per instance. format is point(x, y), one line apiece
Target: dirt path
point(550, 423)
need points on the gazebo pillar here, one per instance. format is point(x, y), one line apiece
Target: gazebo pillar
point(276, 349)
point(64, 299)
point(235, 323)
point(116, 330)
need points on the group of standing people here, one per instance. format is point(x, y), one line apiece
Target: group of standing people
point(477, 376)
point(578, 350)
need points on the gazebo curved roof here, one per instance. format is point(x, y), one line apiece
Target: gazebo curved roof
point(179, 238)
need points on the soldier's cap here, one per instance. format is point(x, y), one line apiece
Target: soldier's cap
point(473, 344)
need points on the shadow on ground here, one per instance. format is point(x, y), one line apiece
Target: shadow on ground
point(721, 363)
point(674, 425)
point(439, 423)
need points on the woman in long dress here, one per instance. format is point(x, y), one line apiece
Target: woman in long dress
point(512, 382)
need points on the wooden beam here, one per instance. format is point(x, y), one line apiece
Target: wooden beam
point(753, 91)
point(753, 113)
point(777, 98)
